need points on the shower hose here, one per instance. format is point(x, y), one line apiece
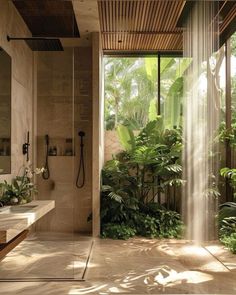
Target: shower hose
point(81, 171)
point(46, 172)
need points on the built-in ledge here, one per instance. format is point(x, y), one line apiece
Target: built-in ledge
point(12, 224)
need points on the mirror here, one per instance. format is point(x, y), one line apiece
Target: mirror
point(5, 112)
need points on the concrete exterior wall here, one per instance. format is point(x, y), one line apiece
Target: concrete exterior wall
point(112, 144)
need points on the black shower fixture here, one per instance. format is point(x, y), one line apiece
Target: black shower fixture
point(80, 180)
point(25, 148)
point(46, 172)
point(40, 43)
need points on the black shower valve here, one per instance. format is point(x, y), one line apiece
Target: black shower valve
point(25, 147)
point(25, 150)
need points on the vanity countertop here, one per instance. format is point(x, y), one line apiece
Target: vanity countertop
point(12, 224)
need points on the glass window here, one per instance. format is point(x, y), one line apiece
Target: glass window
point(233, 75)
point(130, 91)
point(171, 85)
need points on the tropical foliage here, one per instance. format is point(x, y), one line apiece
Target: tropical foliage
point(134, 180)
point(230, 174)
point(227, 225)
point(131, 91)
point(129, 88)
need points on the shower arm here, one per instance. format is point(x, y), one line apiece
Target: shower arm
point(30, 38)
point(40, 43)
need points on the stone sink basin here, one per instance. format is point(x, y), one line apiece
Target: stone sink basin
point(17, 209)
point(15, 219)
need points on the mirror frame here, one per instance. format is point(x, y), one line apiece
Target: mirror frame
point(9, 172)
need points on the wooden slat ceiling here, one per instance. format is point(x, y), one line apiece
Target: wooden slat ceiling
point(128, 25)
point(150, 25)
point(227, 14)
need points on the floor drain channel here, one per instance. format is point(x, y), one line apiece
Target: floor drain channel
point(216, 258)
point(87, 261)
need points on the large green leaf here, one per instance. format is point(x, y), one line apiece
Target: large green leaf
point(126, 137)
point(184, 64)
point(172, 104)
point(227, 209)
point(151, 68)
point(144, 155)
point(166, 63)
point(152, 114)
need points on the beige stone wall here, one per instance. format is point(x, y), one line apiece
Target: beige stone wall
point(64, 108)
point(112, 144)
point(83, 122)
point(97, 127)
point(5, 112)
point(22, 86)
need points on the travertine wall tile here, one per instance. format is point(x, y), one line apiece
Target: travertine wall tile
point(65, 108)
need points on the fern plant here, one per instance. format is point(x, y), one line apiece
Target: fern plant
point(230, 174)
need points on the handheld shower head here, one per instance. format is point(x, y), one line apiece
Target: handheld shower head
point(81, 133)
point(47, 139)
point(46, 172)
point(80, 181)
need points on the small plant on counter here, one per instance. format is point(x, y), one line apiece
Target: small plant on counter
point(21, 189)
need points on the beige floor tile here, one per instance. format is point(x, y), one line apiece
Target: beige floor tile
point(141, 266)
point(47, 256)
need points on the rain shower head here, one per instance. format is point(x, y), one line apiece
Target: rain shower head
point(40, 43)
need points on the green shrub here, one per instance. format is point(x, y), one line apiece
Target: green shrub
point(117, 231)
point(169, 223)
point(146, 226)
point(156, 221)
point(227, 226)
point(227, 209)
point(161, 224)
point(230, 242)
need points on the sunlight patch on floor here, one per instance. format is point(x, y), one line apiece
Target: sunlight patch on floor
point(87, 290)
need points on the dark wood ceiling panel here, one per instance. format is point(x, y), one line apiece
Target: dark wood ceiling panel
point(48, 18)
point(228, 14)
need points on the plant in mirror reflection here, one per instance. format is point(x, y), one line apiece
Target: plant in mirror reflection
point(21, 189)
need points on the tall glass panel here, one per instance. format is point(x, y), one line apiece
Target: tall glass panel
point(219, 67)
point(233, 102)
point(171, 86)
point(55, 248)
point(233, 75)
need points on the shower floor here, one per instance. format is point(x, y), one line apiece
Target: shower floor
point(144, 266)
point(48, 256)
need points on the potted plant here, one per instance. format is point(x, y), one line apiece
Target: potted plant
point(21, 189)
